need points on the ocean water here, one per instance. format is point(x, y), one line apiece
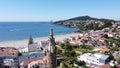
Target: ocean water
point(22, 30)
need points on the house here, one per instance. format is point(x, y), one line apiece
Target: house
point(116, 54)
point(72, 38)
point(111, 34)
point(28, 57)
point(101, 49)
point(42, 63)
point(94, 59)
point(76, 42)
point(96, 33)
point(118, 27)
point(101, 39)
point(9, 57)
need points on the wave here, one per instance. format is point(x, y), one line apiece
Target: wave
point(15, 30)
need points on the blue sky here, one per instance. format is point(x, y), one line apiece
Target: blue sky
point(46, 10)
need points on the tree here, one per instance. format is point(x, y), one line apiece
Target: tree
point(96, 26)
point(58, 51)
point(107, 23)
point(30, 40)
point(118, 60)
point(64, 65)
point(68, 47)
point(81, 63)
point(62, 46)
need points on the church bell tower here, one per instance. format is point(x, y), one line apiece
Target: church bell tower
point(51, 52)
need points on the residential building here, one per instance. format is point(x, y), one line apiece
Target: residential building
point(9, 57)
point(41, 63)
point(94, 59)
point(29, 57)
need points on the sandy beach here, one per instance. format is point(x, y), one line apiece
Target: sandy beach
point(24, 43)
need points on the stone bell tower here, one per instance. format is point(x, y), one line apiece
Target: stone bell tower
point(51, 52)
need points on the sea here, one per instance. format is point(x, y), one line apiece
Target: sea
point(23, 30)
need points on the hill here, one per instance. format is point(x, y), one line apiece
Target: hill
point(85, 22)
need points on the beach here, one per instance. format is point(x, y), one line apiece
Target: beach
point(24, 43)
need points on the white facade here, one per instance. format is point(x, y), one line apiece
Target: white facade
point(8, 62)
point(44, 44)
point(96, 59)
point(22, 50)
point(12, 62)
point(111, 34)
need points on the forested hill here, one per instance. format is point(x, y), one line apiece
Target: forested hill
point(84, 22)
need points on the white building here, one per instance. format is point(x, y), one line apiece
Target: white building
point(31, 56)
point(44, 44)
point(94, 59)
point(31, 53)
point(9, 57)
point(22, 50)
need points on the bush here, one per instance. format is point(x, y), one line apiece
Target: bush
point(118, 60)
point(80, 63)
point(68, 47)
point(58, 51)
point(62, 46)
point(64, 65)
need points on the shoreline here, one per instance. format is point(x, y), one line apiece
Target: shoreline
point(24, 43)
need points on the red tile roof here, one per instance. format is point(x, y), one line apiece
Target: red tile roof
point(104, 66)
point(102, 48)
point(8, 51)
point(101, 38)
point(76, 42)
point(43, 60)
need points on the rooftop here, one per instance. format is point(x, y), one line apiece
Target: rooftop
point(102, 48)
point(32, 53)
point(96, 55)
point(104, 66)
point(8, 52)
point(36, 61)
point(101, 56)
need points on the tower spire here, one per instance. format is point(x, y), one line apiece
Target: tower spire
point(51, 33)
point(51, 51)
